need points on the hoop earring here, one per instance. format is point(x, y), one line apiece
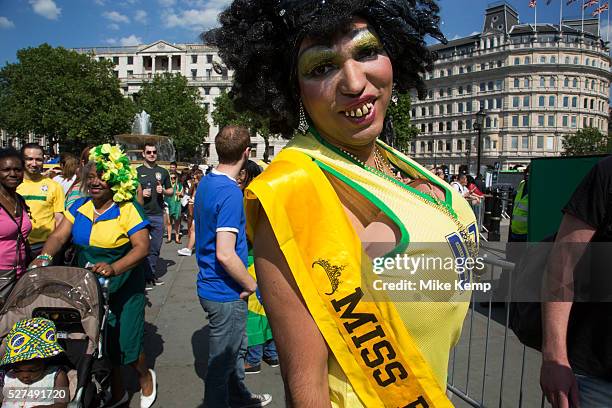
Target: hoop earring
point(303, 123)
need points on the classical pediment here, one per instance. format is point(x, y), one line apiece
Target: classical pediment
point(160, 46)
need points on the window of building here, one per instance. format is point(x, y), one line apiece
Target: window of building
point(515, 121)
point(525, 142)
point(483, 66)
point(575, 60)
point(194, 58)
point(116, 74)
point(429, 146)
point(100, 59)
point(499, 63)
point(567, 60)
point(586, 103)
point(593, 63)
point(449, 72)
point(498, 84)
point(422, 147)
point(423, 111)
point(430, 94)
point(527, 83)
point(553, 82)
point(194, 73)
point(553, 60)
point(469, 89)
point(468, 124)
point(551, 101)
point(130, 60)
point(540, 142)
point(527, 60)
point(566, 82)
point(542, 82)
point(483, 87)
point(449, 108)
point(460, 145)
point(208, 73)
point(584, 122)
point(206, 90)
point(468, 68)
point(460, 90)
point(422, 128)
point(516, 102)
point(592, 103)
point(514, 142)
point(575, 83)
point(551, 120)
point(566, 102)
point(574, 102)
point(460, 125)
point(490, 85)
point(550, 143)
point(460, 107)
point(517, 61)
point(540, 120)
point(209, 58)
point(441, 127)
point(526, 101)
point(541, 101)
point(461, 69)
point(586, 84)
point(542, 59)
point(517, 82)
point(448, 146)
point(574, 122)
point(565, 121)
point(449, 126)
point(430, 127)
point(468, 106)
point(526, 120)
point(587, 61)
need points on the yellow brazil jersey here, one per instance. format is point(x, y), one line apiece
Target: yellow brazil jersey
point(45, 198)
point(445, 230)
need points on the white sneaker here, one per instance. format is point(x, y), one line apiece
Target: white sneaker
point(256, 400)
point(184, 252)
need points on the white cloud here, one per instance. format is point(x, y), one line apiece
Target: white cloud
point(100, 2)
point(131, 40)
point(111, 41)
point(195, 19)
point(166, 3)
point(116, 17)
point(140, 16)
point(474, 33)
point(113, 26)
point(6, 23)
point(46, 8)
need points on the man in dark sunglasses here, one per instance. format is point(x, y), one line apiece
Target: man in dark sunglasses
point(155, 182)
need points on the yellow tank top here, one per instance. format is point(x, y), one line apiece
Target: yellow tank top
point(427, 228)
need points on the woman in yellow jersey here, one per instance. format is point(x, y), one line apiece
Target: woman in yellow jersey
point(110, 232)
point(339, 212)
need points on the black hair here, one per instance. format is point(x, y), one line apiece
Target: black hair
point(259, 40)
point(252, 170)
point(11, 153)
point(32, 146)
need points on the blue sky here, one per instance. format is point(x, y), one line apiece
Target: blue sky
point(88, 23)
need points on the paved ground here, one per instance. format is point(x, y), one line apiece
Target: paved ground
point(176, 346)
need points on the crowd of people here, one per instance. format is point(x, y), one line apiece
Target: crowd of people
point(280, 255)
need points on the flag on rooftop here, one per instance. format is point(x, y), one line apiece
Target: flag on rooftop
point(600, 9)
point(590, 3)
point(532, 3)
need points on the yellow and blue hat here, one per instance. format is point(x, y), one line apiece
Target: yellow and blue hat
point(30, 339)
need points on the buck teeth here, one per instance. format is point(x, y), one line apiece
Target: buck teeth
point(359, 112)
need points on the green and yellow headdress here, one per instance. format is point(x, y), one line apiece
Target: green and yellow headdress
point(116, 171)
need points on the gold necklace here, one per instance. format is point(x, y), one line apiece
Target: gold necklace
point(470, 242)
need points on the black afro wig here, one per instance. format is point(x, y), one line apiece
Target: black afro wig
point(259, 40)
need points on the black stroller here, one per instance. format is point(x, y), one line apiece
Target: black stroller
point(76, 302)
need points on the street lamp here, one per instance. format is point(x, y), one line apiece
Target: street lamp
point(480, 117)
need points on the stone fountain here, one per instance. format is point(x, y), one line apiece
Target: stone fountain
point(134, 142)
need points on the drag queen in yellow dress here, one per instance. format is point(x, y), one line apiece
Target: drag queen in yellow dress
point(334, 203)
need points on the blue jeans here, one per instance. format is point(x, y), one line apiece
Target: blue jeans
point(227, 345)
point(267, 351)
point(594, 392)
point(156, 233)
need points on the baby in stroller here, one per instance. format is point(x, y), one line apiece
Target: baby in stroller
point(73, 299)
point(32, 379)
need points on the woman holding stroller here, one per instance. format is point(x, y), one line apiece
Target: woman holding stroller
point(110, 232)
point(15, 225)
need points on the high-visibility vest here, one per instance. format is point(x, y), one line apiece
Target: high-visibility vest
point(520, 211)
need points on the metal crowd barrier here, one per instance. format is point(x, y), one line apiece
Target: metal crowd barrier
point(489, 367)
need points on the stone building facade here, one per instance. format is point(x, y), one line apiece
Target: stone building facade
point(534, 84)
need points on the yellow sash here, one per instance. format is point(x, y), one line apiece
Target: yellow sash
point(368, 338)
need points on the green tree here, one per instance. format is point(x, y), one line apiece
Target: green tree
point(584, 142)
point(67, 96)
point(405, 131)
point(225, 114)
point(176, 111)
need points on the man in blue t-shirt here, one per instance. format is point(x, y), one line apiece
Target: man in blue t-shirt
point(223, 281)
